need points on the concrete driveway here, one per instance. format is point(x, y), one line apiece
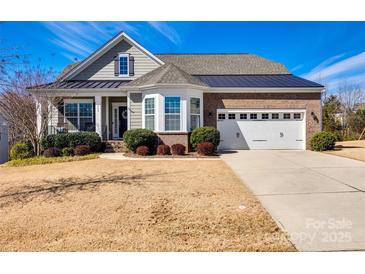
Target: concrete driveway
point(317, 198)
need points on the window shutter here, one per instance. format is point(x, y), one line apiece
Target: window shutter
point(131, 65)
point(116, 65)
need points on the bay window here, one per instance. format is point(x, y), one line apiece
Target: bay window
point(79, 115)
point(194, 113)
point(172, 113)
point(149, 113)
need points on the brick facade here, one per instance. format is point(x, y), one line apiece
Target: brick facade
point(309, 101)
point(174, 138)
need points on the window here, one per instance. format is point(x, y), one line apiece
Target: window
point(297, 116)
point(253, 116)
point(286, 116)
point(123, 64)
point(265, 116)
point(243, 116)
point(172, 113)
point(231, 116)
point(221, 116)
point(79, 116)
point(149, 113)
point(194, 113)
point(275, 116)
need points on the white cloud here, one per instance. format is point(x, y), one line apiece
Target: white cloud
point(326, 70)
point(167, 31)
point(79, 39)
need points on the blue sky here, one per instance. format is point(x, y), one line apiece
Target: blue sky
point(327, 52)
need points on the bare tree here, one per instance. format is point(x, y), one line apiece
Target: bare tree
point(350, 96)
point(22, 109)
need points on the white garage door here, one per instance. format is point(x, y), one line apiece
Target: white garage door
point(261, 129)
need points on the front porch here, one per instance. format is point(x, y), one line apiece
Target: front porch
point(106, 115)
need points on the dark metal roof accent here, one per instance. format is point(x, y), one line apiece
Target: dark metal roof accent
point(256, 81)
point(84, 84)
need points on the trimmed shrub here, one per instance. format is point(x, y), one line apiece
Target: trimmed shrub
point(205, 148)
point(205, 134)
point(62, 140)
point(48, 141)
point(142, 150)
point(163, 150)
point(52, 152)
point(178, 149)
point(323, 141)
point(81, 150)
point(67, 151)
point(20, 151)
point(140, 137)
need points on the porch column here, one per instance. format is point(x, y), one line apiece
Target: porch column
point(98, 127)
point(39, 114)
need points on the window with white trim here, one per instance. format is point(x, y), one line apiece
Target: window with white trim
point(253, 116)
point(243, 116)
point(149, 113)
point(286, 115)
point(297, 116)
point(221, 116)
point(194, 113)
point(123, 64)
point(265, 116)
point(231, 116)
point(275, 116)
point(79, 116)
point(172, 113)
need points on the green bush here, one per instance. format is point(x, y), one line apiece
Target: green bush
point(323, 141)
point(205, 134)
point(140, 137)
point(67, 151)
point(20, 151)
point(62, 140)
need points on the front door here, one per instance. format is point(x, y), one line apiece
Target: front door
point(119, 120)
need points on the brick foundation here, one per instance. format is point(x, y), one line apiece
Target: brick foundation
point(311, 102)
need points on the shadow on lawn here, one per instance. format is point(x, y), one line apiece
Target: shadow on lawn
point(50, 189)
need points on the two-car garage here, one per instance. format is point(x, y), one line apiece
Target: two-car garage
point(261, 128)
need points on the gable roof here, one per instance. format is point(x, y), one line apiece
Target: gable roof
point(74, 69)
point(166, 74)
point(224, 64)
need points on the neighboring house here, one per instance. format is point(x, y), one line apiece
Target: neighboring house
point(254, 102)
point(4, 142)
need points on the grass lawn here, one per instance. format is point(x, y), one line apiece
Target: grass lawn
point(350, 149)
point(111, 205)
point(41, 160)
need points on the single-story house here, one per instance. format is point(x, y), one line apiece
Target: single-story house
point(4, 142)
point(255, 103)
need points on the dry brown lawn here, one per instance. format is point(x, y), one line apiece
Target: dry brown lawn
point(350, 149)
point(108, 205)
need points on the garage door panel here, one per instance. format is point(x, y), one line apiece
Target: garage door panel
point(261, 134)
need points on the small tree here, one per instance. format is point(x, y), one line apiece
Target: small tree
point(331, 107)
point(21, 108)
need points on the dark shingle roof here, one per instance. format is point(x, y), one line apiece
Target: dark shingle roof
point(256, 81)
point(67, 69)
point(224, 64)
point(166, 74)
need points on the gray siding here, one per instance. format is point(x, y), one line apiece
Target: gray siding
point(135, 110)
point(55, 116)
point(103, 68)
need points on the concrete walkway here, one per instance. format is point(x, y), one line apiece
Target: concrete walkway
point(317, 198)
point(120, 156)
